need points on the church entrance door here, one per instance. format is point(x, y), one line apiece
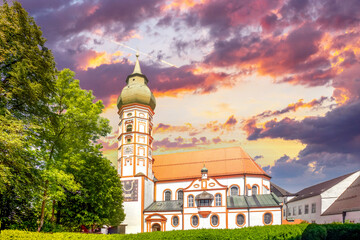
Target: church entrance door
point(156, 227)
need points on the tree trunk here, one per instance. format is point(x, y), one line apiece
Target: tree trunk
point(53, 212)
point(43, 206)
point(58, 213)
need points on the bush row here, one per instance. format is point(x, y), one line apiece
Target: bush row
point(301, 231)
point(332, 232)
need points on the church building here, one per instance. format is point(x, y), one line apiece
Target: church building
point(217, 188)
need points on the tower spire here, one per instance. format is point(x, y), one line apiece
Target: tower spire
point(137, 64)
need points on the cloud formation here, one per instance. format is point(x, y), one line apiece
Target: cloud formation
point(311, 43)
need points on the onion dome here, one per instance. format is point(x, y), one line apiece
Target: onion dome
point(136, 89)
point(204, 169)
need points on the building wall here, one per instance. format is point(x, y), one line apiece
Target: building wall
point(257, 216)
point(254, 216)
point(244, 183)
point(353, 216)
point(310, 217)
point(172, 186)
point(168, 226)
point(239, 181)
point(205, 222)
point(133, 210)
point(149, 193)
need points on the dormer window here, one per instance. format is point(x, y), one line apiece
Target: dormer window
point(204, 203)
point(204, 199)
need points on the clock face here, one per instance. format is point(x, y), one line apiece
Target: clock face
point(130, 190)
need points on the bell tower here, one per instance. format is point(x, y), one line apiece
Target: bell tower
point(136, 105)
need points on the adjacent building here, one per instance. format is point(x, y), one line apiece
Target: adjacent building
point(336, 200)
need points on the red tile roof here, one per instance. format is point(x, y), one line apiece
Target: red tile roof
point(219, 162)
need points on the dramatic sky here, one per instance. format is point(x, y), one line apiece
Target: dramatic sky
point(279, 78)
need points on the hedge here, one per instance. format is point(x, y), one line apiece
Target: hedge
point(278, 232)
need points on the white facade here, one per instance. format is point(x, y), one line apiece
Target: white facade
point(194, 202)
point(311, 209)
point(218, 206)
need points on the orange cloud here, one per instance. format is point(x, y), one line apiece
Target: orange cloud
point(212, 126)
point(111, 103)
point(251, 125)
point(93, 59)
point(293, 107)
point(182, 4)
point(162, 128)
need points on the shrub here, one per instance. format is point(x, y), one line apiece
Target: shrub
point(276, 232)
point(314, 232)
point(343, 231)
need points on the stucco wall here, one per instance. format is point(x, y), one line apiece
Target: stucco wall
point(133, 211)
point(172, 186)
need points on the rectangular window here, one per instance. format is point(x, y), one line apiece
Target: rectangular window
point(300, 210)
point(313, 208)
point(191, 201)
point(306, 208)
point(294, 211)
point(204, 202)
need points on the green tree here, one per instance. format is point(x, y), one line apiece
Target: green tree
point(27, 73)
point(48, 124)
point(74, 127)
point(99, 200)
point(27, 67)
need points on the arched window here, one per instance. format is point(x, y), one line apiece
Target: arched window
point(267, 218)
point(167, 195)
point(218, 199)
point(234, 191)
point(240, 220)
point(180, 195)
point(214, 220)
point(191, 201)
point(128, 139)
point(129, 128)
point(254, 190)
point(194, 221)
point(175, 221)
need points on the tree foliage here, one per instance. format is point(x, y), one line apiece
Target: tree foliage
point(99, 201)
point(49, 127)
point(27, 67)
point(27, 73)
